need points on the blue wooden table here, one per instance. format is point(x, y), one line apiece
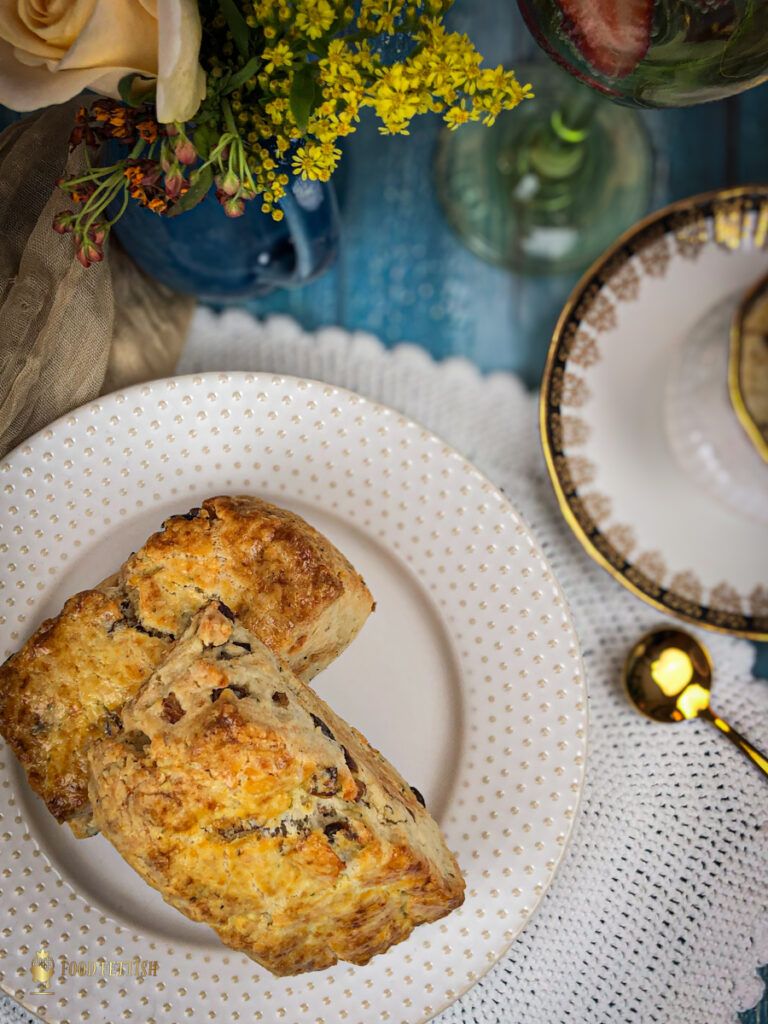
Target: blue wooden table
point(402, 275)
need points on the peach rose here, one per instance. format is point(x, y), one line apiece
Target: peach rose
point(52, 49)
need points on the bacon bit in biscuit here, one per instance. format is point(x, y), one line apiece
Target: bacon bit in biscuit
point(172, 711)
point(226, 611)
point(239, 692)
point(418, 796)
point(320, 724)
point(351, 762)
point(324, 782)
point(112, 723)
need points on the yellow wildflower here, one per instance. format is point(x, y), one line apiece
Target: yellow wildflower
point(263, 9)
point(458, 115)
point(303, 164)
point(314, 17)
point(277, 56)
point(444, 74)
point(487, 108)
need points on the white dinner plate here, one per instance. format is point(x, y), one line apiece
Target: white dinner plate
point(468, 677)
point(613, 401)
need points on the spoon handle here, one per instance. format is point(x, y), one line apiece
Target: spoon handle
point(737, 739)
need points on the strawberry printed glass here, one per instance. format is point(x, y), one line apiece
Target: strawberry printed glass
point(668, 53)
point(555, 181)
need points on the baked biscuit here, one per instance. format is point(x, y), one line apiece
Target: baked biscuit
point(69, 681)
point(251, 806)
point(285, 581)
point(66, 686)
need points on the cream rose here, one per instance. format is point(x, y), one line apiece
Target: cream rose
point(52, 49)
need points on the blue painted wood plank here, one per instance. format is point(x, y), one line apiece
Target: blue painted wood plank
point(752, 136)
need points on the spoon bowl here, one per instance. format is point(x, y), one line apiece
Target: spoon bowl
point(668, 676)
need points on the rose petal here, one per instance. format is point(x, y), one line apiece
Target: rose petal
point(58, 25)
point(181, 80)
point(120, 37)
point(14, 31)
point(119, 33)
point(27, 88)
point(33, 61)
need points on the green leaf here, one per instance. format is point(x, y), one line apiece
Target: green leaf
point(242, 75)
point(303, 97)
point(200, 181)
point(205, 139)
point(135, 90)
point(236, 24)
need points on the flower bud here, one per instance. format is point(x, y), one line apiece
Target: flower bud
point(234, 206)
point(62, 222)
point(173, 183)
point(88, 253)
point(185, 152)
point(228, 183)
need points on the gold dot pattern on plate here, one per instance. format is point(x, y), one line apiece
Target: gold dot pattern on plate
point(519, 777)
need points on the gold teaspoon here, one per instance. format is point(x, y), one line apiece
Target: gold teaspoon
point(668, 676)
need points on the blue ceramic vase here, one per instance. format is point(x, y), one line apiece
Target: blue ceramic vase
point(224, 259)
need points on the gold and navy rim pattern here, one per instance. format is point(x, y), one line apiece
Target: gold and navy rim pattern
point(735, 366)
point(727, 217)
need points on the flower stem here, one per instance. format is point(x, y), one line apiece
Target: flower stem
point(229, 117)
point(94, 209)
point(93, 175)
point(118, 215)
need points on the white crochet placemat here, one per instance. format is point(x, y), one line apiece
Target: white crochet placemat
point(659, 913)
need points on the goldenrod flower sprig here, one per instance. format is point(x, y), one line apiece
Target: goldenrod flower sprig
point(286, 80)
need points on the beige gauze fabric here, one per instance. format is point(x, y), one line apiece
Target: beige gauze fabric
point(68, 333)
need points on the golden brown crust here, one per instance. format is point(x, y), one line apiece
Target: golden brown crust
point(65, 687)
point(69, 681)
point(240, 795)
point(282, 578)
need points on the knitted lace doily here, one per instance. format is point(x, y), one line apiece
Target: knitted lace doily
point(659, 913)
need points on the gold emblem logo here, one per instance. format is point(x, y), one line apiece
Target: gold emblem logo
point(42, 968)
